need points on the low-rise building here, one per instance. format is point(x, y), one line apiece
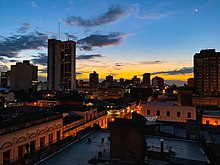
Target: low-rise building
point(166, 111)
point(27, 134)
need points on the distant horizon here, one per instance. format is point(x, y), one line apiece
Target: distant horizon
point(118, 38)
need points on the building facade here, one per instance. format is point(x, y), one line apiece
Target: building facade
point(23, 76)
point(19, 140)
point(93, 79)
point(146, 79)
point(207, 72)
point(169, 112)
point(158, 82)
point(61, 65)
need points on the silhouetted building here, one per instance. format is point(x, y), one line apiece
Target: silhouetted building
point(4, 79)
point(158, 82)
point(23, 76)
point(146, 79)
point(190, 82)
point(128, 140)
point(184, 96)
point(136, 80)
point(93, 79)
point(61, 65)
point(207, 72)
point(109, 79)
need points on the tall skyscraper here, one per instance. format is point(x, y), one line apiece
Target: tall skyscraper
point(93, 79)
point(207, 72)
point(61, 65)
point(23, 76)
point(146, 79)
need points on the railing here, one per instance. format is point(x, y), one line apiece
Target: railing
point(20, 126)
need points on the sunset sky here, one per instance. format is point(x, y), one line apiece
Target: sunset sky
point(118, 37)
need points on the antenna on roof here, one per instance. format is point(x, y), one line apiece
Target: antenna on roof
point(59, 30)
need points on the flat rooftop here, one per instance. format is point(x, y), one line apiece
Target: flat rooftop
point(81, 151)
point(183, 149)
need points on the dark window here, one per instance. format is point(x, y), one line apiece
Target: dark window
point(189, 115)
point(42, 142)
point(58, 135)
point(158, 113)
point(6, 157)
point(207, 122)
point(148, 112)
point(168, 113)
point(32, 145)
point(21, 151)
point(178, 114)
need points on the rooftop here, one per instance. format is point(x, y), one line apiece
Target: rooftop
point(82, 151)
point(182, 149)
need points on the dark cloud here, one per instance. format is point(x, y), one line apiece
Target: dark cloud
point(41, 59)
point(11, 46)
point(184, 70)
point(97, 40)
point(87, 57)
point(86, 48)
point(13, 60)
point(70, 36)
point(176, 82)
point(79, 73)
point(113, 14)
point(43, 70)
point(150, 62)
point(24, 28)
point(118, 64)
point(3, 68)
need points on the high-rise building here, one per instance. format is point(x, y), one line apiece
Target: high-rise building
point(207, 72)
point(23, 76)
point(93, 79)
point(146, 79)
point(158, 82)
point(61, 65)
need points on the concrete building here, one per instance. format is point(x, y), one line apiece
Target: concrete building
point(169, 112)
point(61, 68)
point(207, 101)
point(158, 82)
point(23, 76)
point(146, 79)
point(207, 72)
point(93, 79)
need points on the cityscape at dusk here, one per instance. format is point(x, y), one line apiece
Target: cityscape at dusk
point(123, 38)
point(99, 82)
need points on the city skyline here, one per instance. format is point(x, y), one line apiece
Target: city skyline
point(122, 39)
